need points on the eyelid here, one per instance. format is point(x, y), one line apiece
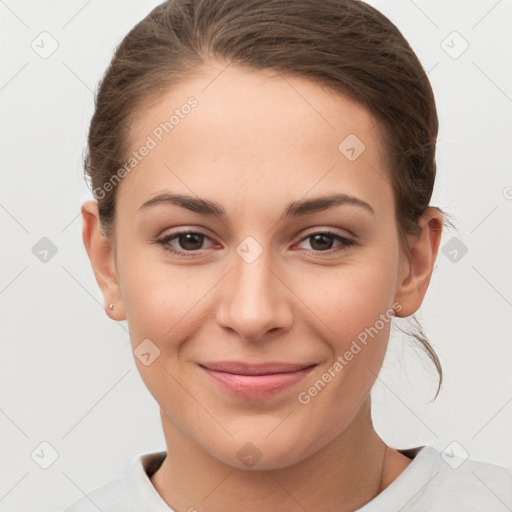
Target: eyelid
point(346, 243)
point(176, 234)
point(331, 231)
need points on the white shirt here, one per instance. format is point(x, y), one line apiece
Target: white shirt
point(430, 483)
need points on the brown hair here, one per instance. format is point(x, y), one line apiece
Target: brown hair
point(345, 45)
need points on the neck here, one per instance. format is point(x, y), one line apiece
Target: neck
point(343, 475)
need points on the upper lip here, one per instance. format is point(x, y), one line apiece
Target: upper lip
point(241, 368)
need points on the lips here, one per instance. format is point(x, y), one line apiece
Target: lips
point(261, 380)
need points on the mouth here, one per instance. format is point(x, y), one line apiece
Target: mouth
point(262, 380)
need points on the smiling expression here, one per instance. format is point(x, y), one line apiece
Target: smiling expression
point(292, 251)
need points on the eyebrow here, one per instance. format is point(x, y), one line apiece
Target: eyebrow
point(293, 209)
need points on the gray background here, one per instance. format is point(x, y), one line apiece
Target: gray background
point(67, 372)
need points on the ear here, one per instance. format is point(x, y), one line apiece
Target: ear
point(102, 257)
point(416, 267)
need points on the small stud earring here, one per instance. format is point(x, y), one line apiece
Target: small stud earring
point(111, 306)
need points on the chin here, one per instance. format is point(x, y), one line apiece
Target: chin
point(264, 452)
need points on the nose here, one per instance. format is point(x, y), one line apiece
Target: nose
point(254, 300)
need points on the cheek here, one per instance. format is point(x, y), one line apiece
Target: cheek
point(163, 301)
point(155, 309)
point(161, 305)
point(152, 293)
point(350, 298)
point(356, 308)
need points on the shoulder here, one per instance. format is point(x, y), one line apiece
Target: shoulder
point(437, 481)
point(110, 497)
point(454, 483)
point(132, 491)
point(478, 485)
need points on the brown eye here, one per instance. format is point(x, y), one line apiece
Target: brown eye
point(322, 241)
point(183, 242)
point(190, 241)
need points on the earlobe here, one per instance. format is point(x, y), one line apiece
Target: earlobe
point(417, 267)
point(102, 258)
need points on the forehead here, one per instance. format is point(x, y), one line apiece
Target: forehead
point(262, 133)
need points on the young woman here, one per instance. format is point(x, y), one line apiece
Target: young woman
point(262, 172)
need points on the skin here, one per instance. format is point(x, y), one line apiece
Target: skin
point(255, 142)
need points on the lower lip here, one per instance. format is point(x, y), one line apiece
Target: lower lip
point(256, 386)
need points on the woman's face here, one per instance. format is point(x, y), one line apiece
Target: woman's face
point(260, 335)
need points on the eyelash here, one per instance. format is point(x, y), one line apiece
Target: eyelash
point(345, 243)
